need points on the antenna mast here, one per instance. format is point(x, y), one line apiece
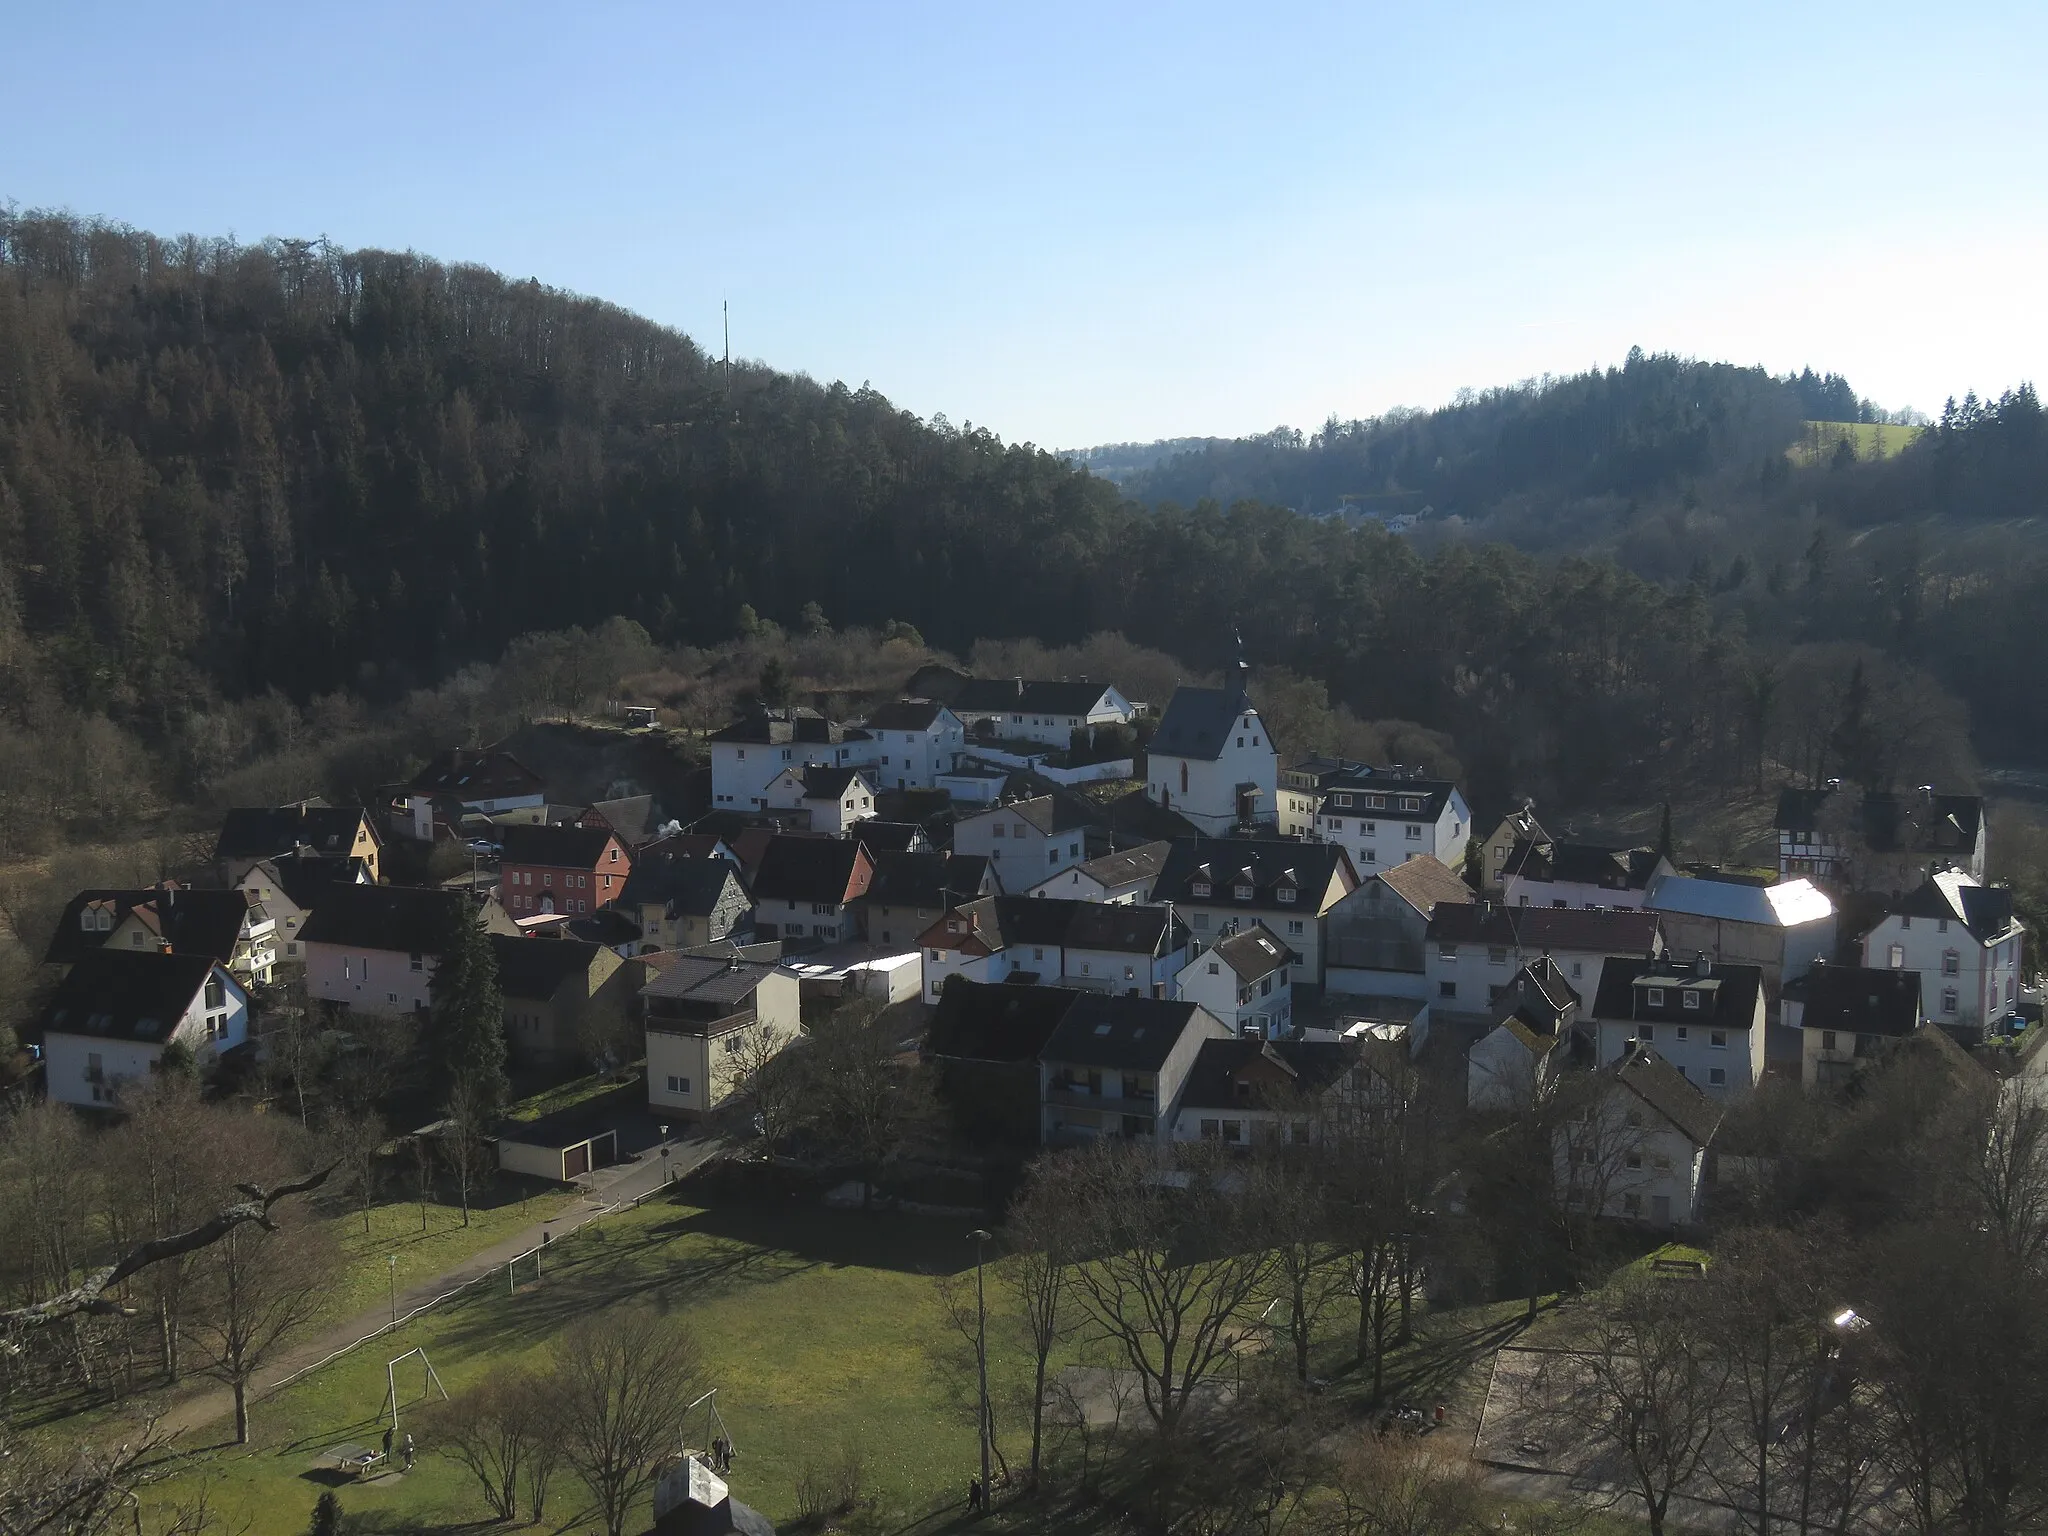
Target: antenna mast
point(725, 309)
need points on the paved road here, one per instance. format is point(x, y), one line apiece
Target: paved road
point(603, 1191)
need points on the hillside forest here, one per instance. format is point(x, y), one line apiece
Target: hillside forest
point(256, 499)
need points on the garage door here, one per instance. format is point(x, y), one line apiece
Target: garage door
point(576, 1160)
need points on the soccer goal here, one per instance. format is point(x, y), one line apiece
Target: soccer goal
point(429, 1379)
point(522, 1269)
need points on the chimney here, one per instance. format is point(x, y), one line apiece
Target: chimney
point(1701, 965)
point(1020, 686)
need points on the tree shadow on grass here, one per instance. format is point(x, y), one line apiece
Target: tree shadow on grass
point(842, 1239)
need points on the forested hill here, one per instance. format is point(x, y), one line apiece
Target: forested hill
point(225, 469)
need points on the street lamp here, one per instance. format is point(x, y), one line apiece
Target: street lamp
point(666, 1172)
point(981, 1236)
point(392, 1261)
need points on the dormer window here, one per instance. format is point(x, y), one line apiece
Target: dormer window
point(1410, 803)
point(1341, 799)
point(1654, 996)
point(1285, 894)
point(1691, 999)
point(1199, 888)
point(1242, 892)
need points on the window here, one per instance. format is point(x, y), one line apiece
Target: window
point(1372, 856)
point(1646, 1033)
point(1691, 999)
point(1336, 823)
point(1215, 969)
point(1941, 925)
point(1294, 928)
point(1896, 957)
point(1202, 920)
point(1718, 1039)
point(1681, 1032)
point(1654, 996)
point(1233, 1130)
point(678, 1084)
point(1632, 1204)
point(419, 962)
point(1496, 954)
point(999, 829)
point(1199, 888)
point(1414, 833)
point(1241, 892)
point(1948, 1000)
point(1212, 1130)
point(1285, 894)
point(1447, 989)
point(391, 997)
point(1717, 1076)
point(1951, 963)
point(1827, 1039)
point(1578, 969)
point(1447, 953)
point(1634, 1161)
point(216, 992)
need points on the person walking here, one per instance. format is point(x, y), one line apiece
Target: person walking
point(388, 1433)
point(408, 1451)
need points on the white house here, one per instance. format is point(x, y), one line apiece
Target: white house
point(1637, 1149)
point(1510, 1066)
point(1014, 709)
point(1781, 928)
point(1024, 841)
point(1247, 1092)
point(832, 799)
point(753, 750)
point(1120, 879)
point(1221, 884)
point(1887, 841)
point(1212, 761)
point(1383, 816)
point(1131, 950)
point(1117, 1066)
point(1846, 1014)
point(117, 1009)
point(1474, 949)
point(1243, 980)
point(1704, 1017)
point(1377, 933)
point(1543, 872)
point(1964, 941)
point(1301, 791)
point(915, 741)
point(375, 948)
point(709, 1021)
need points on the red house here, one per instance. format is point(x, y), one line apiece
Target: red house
point(574, 870)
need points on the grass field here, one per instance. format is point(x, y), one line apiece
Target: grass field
point(1872, 440)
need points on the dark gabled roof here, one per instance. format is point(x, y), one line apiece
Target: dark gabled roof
point(1003, 921)
point(1985, 910)
point(1127, 868)
point(1423, 881)
point(700, 979)
point(994, 1021)
point(1049, 814)
point(261, 831)
point(471, 776)
point(1539, 996)
point(684, 887)
point(936, 680)
point(1308, 1067)
point(1611, 869)
point(1134, 1033)
point(1887, 822)
point(630, 817)
point(1137, 814)
point(1009, 696)
point(559, 847)
point(1271, 860)
point(1540, 928)
point(905, 715)
point(192, 922)
point(402, 919)
point(690, 845)
point(1858, 1000)
point(930, 880)
point(1199, 722)
point(1252, 953)
point(822, 783)
point(120, 994)
point(536, 968)
point(1343, 793)
point(304, 879)
point(1666, 1090)
point(879, 836)
point(782, 726)
point(1728, 993)
point(1799, 809)
point(818, 869)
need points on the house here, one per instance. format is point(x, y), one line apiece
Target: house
point(1014, 709)
point(916, 740)
point(1965, 942)
point(984, 1041)
point(1637, 1151)
point(1515, 827)
point(1243, 980)
point(569, 869)
point(692, 1500)
point(374, 948)
point(1245, 1092)
point(231, 927)
point(911, 891)
point(1387, 816)
point(1084, 944)
point(829, 800)
point(972, 784)
point(1212, 761)
point(630, 816)
point(461, 782)
point(1544, 872)
point(1220, 884)
point(289, 887)
point(1782, 928)
point(1886, 842)
point(682, 902)
point(1704, 1017)
point(1846, 1014)
point(548, 987)
point(710, 1022)
point(1117, 878)
point(1472, 951)
point(1116, 1066)
point(116, 1010)
point(1535, 1023)
point(754, 749)
point(697, 845)
point(806, 887)
point(1300, 791)
point(250, 833)
point(1024, 841)
point(1377, 933)
point(879, 836)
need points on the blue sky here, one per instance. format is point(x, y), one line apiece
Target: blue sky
point(1084, 223)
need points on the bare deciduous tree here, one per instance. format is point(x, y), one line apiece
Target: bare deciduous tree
point(618, 1386)
point(491, 1430)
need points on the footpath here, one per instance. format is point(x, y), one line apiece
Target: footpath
point(605, 1191)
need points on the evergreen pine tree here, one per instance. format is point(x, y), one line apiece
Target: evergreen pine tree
point(1664, 843)
point(466, 1039)
point(327, 1515)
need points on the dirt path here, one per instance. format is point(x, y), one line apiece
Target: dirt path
point(607, 1190)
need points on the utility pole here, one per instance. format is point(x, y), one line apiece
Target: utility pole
point(392, 1261)
point(981, 1236)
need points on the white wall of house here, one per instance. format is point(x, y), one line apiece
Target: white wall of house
point(1722, 1063)
point(1265, 1006)
point(1502, 1073)
point(741, 771)
point(1205, 792)
point(1520, 891)
point(1301, 931)
point(1055, 730)
point(1462, 978)
point(1020, 856)
point(831, 815)
point(370, 981)
point(88, 1071)
point(915, 759)
point(1114, 1088)
point(696, 1073)
point(1963, 980)
point(1073, 885)
point(803, 920)
point(1379, 839)
point(1656, 1170)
